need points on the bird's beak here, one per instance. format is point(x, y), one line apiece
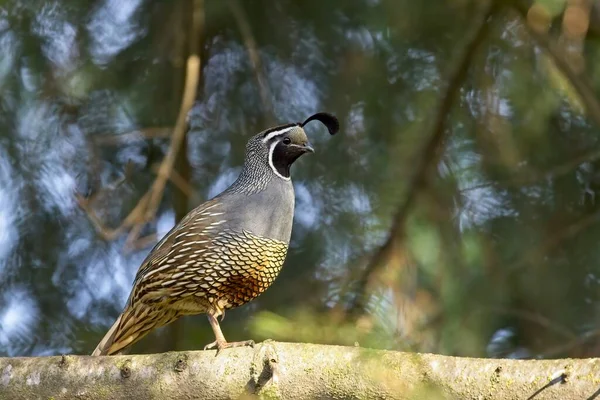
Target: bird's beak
point(308, 148)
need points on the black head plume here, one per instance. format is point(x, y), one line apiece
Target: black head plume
point(329, 120)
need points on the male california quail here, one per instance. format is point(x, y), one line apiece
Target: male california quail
point(226, 251)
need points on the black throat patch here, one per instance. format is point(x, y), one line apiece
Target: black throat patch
point(283, 158)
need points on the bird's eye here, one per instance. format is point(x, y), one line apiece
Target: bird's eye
point(287, 140)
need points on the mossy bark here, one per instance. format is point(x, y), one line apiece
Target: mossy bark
point(295, 371)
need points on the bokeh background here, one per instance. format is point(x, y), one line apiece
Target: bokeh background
point(457, 212)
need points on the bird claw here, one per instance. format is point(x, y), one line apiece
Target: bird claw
point(221, 345)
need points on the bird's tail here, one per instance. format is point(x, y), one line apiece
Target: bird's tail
point(107, 340)
point(132, 325)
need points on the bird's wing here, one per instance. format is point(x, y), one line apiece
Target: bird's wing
point(193, 234)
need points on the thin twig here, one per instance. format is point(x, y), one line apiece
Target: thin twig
point(136, 135)
point(428, 158)
point(553, 172)
point(148, 204)
point(578, 341)
point(144, 242)
point(189, 95)
point(580, 82)
point(538, 319)
point(553, 241)
point(106, 233)
point(253, 54)
point(135, 215)
point(177, 180)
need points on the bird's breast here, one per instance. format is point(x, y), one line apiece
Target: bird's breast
point(268, 214)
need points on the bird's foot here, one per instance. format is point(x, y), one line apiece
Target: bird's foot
point(221, 344)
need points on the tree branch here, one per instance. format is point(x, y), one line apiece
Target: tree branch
point(148, 204)
point(295, 371)
point(255, 61)
point(133, 136)
point(428, 158)
point(189, 96)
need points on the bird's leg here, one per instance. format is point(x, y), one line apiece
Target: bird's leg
point(220, 343)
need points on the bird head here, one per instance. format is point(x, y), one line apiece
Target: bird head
point(284, 144)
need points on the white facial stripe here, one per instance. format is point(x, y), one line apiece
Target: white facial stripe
point(271, 150)
point(271, 135)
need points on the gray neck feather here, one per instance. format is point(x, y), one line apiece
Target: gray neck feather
point(256, 173)
point(259, 201)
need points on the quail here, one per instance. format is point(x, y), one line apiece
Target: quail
point(225, 252)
